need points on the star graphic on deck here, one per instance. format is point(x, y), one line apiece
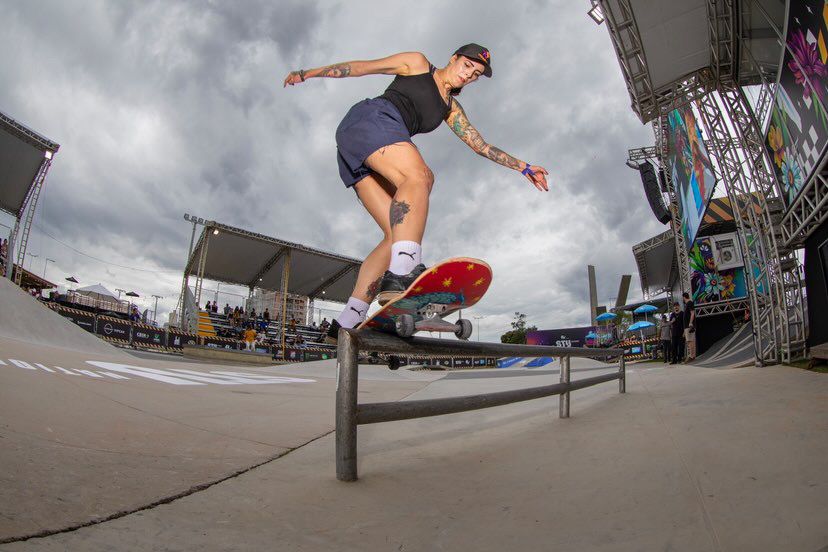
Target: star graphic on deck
point(447, 282)
point(476, 299)
point(470, 266)
point(418, 289)
point(434, 270)
point(479, 281)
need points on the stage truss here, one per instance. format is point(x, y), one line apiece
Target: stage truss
point(737, 143)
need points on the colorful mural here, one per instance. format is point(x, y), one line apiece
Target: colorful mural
point(690, 169)
point(798, 129)
point(707, 282)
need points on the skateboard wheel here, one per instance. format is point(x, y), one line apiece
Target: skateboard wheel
point(464, 331)
point(393, 363)
point(405, 325)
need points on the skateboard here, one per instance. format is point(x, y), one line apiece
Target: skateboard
point(445, 288)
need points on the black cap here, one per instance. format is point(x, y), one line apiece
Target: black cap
point(477, 53)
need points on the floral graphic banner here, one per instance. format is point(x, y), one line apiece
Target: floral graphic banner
point(798, 130)
point(708, 283)
point(691, 170)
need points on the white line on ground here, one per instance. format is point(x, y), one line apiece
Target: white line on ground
point(22, 364)
point(44, 367)
point(65, 371)
point(90, 373)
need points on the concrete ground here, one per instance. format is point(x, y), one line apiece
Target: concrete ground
point(107, 451)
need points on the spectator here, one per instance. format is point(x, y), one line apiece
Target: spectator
point(664, 335)
point(250, 338)
point(208, 307)
point(313, 325)
point(253, 314)
point(292, 325)
point(215, 307)
point(324, 325)
point(677, 328)
point(263, 324)
point(689, 318)
point(266, 315)
point(135, 316)
point(227, 310)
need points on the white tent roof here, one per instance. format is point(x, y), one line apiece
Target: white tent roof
point(96, 290)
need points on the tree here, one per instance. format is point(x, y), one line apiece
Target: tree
point(518, 332)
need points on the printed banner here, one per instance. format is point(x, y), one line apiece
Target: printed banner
point(798, 130)
point(708, 283)
point(563, 337)
point(143, 334)
point(177, 340)
point(691, 170)
point(114, 328)
point(82, 319)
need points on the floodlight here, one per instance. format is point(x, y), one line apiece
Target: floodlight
point(215, 232)
point(48, 155)
point(200, 220)
point(596, 13)
point(632, 164)
point(186, 217)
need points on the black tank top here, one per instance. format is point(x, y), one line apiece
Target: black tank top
point(419, 101)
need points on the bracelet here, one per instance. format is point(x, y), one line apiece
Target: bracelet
point(302, 75)
point(527, 171)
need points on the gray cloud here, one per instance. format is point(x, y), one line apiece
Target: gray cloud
point(167, 107)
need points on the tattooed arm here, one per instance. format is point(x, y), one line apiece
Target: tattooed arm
point(405, 63)
point(464, 130)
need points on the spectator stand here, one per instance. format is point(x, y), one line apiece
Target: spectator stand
point(230, 255)
point(25, 157)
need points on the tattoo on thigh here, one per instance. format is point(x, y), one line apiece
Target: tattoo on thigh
point(398, 211)
point(373, 289)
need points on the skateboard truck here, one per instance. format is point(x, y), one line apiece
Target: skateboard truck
point(432, 321)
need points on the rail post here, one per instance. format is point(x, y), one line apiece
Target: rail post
point(563, 398)
point(622, 375)
point(347, 379)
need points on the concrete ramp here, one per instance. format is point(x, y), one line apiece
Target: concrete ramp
point(24, 318)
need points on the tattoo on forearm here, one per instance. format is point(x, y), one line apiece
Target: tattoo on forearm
point(336, 71)
point(398, 211)
point(461, 126)
point(499, 156)
point(373, 289)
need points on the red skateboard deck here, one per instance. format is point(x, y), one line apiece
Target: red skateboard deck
point(445, 288)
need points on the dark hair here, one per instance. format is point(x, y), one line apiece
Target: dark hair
point(675, 304)
point(455, 91)
point(685, 295)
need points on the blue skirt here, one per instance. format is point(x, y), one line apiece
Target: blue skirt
point(368, 126)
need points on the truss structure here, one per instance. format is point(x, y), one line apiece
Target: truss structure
point(27, 215)
point(735, 139)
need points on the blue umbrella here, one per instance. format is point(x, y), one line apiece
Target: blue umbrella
point(640, 326)
point(591, 335)
point(605, 316)
point(644, 309)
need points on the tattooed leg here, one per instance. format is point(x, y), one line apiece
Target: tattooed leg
point(373, 289)
point(398, 211)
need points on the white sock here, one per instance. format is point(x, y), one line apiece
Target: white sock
point(405, 255)
point(354, 313)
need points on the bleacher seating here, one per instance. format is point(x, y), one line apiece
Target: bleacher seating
point(222, 326)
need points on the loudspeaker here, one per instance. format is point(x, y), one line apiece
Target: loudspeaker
point(653, 192)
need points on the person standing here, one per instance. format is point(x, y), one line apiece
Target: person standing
point(689, 319)
point(676, 327)
point(664, 334)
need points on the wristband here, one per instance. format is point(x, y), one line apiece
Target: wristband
point(527, 171)
point(302, 75)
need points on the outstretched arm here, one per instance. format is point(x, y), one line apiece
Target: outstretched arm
point(461, 126)
point(405, 63)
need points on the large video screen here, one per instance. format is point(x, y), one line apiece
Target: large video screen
point(690, 169)
point(798, 129)
point(563, 337)
point(708, 282)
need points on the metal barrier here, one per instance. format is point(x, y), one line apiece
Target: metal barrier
point(350, 414)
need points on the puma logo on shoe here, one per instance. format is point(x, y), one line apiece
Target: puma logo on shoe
point(404, 253)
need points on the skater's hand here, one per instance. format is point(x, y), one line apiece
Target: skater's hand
point(295, 77)
point(537, 176)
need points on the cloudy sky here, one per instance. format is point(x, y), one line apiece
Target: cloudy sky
point(168, 107)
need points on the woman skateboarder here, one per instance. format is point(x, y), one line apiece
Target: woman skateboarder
point(378, 160)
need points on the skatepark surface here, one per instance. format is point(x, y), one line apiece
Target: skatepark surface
point(104, 450)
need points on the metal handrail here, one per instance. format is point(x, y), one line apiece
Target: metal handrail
point(350, 414)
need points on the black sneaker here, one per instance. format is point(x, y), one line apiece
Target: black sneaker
point(333, 333)
point(393, 285)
